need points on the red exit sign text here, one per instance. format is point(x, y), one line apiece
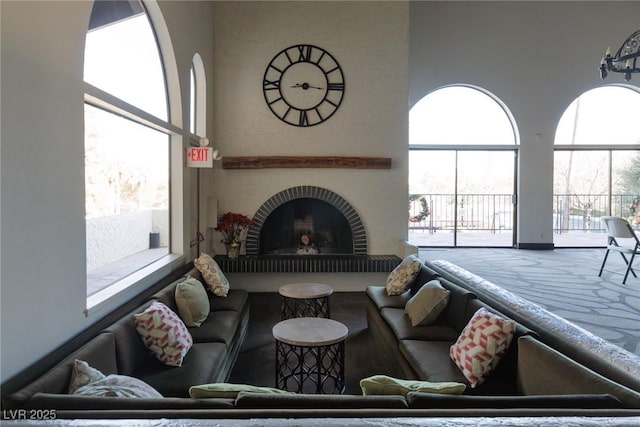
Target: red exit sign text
point(199, 157)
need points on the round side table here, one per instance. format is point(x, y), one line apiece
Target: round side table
point(310, 355)
point(305, 300)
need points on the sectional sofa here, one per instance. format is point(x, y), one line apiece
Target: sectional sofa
point(118, 349)
point(532, 379)
point(530, 374)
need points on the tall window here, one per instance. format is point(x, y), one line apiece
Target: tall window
point(596, 165)
point(462, 148)
point(127, 147)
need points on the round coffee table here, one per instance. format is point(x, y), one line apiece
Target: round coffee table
point(310, 355)
point(305, 300)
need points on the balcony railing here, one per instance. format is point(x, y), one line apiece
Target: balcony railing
point(493, 213)
point(479, 212)
point(582, 212)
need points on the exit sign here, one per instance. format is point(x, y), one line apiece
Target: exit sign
point(199, 157)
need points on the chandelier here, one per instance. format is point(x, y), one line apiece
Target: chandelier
point(626, 60)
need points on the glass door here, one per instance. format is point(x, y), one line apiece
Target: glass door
point(462, 198)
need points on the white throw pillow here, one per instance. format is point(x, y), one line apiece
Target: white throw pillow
point(88, 381)
point(212, 275)
point(403, 275)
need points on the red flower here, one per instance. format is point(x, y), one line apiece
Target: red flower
point(233, 226)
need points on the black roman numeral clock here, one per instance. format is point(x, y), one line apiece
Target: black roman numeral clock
point(303, 85)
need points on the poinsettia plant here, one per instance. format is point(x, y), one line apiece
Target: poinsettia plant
point(233, 227)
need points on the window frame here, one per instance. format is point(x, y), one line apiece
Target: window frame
point(132, 284)
point(607, 148)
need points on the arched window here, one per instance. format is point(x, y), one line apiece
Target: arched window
point(460, 115)
point(128, 145)
point(462, 151)
point(596, 164)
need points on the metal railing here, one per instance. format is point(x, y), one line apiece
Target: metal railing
point(582, 212)
point(472, 212)
point(494, 212)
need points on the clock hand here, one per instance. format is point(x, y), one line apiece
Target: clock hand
point(305, 86)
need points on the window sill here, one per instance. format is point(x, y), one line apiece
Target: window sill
point(123, 290)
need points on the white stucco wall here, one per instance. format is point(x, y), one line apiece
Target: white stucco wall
point(537, 57)
point(370, 42)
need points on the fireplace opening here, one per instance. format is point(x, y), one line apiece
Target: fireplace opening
point(306, 222)
point(306, 226)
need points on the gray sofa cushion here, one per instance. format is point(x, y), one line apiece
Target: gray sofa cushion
point(130, 349)
point(431, 361)
point(455, 313)
point(400, 323)
point(424, 276)
point(236, 300)
point(201, 365)
point(220, 326)
point(379, 296)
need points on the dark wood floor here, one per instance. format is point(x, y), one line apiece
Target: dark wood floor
point(256, 361)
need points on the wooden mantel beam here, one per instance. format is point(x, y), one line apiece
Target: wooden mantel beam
point(264, 162)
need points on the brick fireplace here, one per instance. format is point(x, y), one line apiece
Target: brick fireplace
point(307, 229)
point(330, 223)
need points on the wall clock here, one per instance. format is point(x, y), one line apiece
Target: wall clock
point(303, 85)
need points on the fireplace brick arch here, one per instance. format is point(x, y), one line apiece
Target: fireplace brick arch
point(355, 223)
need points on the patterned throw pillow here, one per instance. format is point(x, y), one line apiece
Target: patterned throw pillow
point(427, 304)
point(164, 333)
point(212, 275)
point(403, 275)
point(88, 381)
point(192, 301)
point(481, 345)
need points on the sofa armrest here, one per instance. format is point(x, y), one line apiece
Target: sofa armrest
point(99, 353)
point(543, 371)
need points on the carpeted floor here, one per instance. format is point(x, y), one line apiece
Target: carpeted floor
point(564, 281)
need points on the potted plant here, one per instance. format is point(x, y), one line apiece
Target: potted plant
point(233, 227)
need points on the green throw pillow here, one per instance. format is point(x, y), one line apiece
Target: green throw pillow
point(192, 302)
point(229, 391)
point(427, 304)
point(382, 384)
